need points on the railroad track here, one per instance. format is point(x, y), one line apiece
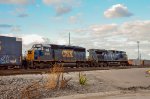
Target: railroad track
point(44, 71)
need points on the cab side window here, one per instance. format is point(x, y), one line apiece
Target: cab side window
point(46, 49)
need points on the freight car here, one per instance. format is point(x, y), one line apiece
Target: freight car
point(136, 62)
point(146, 62)
point(10, 52)
point(45, 55)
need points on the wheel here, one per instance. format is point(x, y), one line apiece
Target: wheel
point(105, 64)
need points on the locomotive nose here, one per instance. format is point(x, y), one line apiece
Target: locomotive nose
point(30, 55)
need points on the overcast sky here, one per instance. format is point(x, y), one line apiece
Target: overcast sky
point(103, 24)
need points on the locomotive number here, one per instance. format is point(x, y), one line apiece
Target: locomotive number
point(67, 53)
point(46, 53)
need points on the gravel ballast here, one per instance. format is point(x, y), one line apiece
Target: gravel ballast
point(11, 87)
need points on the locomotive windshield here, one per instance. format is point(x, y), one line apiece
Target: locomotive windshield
point(37, 47)
point(41, 47)
point(46, 49)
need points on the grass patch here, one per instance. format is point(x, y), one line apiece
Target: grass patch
point(82, 79)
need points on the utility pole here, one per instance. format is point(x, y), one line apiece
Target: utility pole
point(138, 50)
point(69, 38)
point(140, 57)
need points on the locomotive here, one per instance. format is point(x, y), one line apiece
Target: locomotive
point(103, 58)
point(46, 55)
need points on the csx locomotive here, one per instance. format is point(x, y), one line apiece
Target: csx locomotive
point(46, 55)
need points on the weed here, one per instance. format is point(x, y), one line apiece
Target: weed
point(64, 81)
point(82, 79)
point(148, 72)
point(56, 79)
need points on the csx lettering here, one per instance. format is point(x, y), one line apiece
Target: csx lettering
point(67, 53)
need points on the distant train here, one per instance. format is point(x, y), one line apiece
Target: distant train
point(46, 55)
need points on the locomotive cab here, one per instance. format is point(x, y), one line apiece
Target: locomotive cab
point(39, 56)
point(124, 55)
point(39, 52)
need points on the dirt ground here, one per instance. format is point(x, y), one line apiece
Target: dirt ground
point(138, 95)
point(123, 84)
point(101, 82)
point(125, 78)
point(127, 96)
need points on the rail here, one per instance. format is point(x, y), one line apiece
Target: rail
point(66, 69)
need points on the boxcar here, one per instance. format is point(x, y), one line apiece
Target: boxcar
point(146, 62)
point(10, 51)
point(136, 62)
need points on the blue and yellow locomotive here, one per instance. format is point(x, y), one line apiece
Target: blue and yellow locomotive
point(45, 55)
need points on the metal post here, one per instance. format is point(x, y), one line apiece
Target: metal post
point(138, 50)
point(69, 38)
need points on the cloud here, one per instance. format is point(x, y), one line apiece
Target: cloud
point(115, 36)
point(33, 38)
point(103, 28)
point(20, 12)
point(61, 6)
point(60, 10)
point(56, 2)
point(12, 28)
point(16, 29)
point(22, 2)
point(75, 19)
point(29, 39)
point(117, 11)
point(23, 15)
point(5, 26)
